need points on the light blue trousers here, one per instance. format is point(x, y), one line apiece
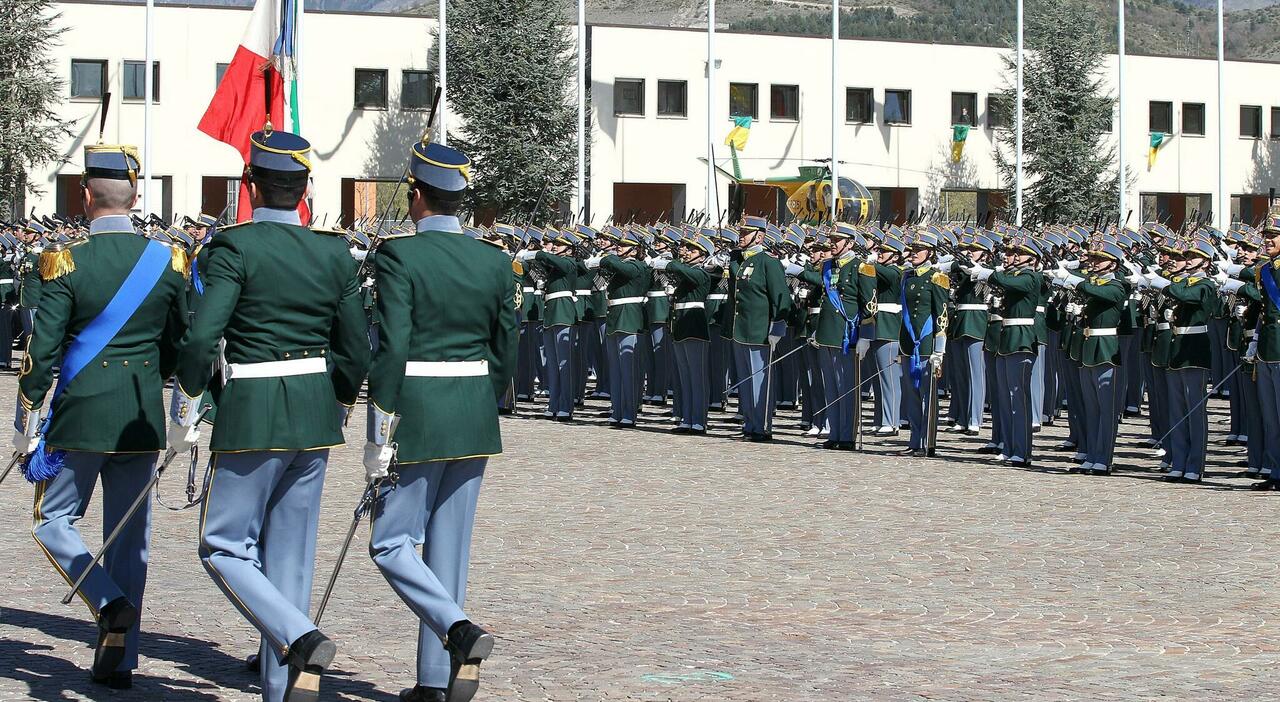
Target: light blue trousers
point(62, 501)
point(1188, 438)
point(888, 383)
point(420, 538)
point(1100, 390)
point(692, 396)
point(663, 359)
point(1015, 379)
point(1269, 403)
point(558, 343)
point(837, 371)
point(258, 542)
point(969, 373)
point(753, 395)
point(624, 380)
point(811, 386)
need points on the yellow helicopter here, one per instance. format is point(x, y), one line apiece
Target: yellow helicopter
point(808, 194)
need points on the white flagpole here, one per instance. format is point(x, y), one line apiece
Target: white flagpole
point(1120, 111)
point(1017, 138)
point(582, 105)
point(713, 214)
point(442, 112)
point(1223, 205)
point(148, 94)
point(835, 107)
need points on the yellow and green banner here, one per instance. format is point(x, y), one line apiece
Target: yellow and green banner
point(1157, 140)
point(959, 133)
point(738, 135)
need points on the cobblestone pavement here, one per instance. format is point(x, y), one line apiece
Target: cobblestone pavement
point(638, 565)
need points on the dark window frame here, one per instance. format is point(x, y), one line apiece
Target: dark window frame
point(1000, 117)
point(102, 85)
point(1154, 118)
point(617, 111)
point(155, 81)
point(1275, 122)
point(382, 103)
point(773, 117)
point(1257, 111)
point(755, 101)
point(867, 98)
point(426, 102)
point(973, 108)
point(904, 106)
point(683, 85)
point(1203, 121)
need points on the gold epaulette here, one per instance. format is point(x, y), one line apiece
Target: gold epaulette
point(179, 261)
point(941, 280)
point(331, 231)
point(517, 267)
point(867, 269)
point(55, 262)
point(229, 227)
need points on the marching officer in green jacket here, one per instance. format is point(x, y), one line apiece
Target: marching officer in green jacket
point(1264, 349)
point(925, 292)
point(1189, 300)
point(968, 331)
point(660, 360)
point(113, 311)
point(1103, 296)
point(531, 365)
point(447, 306)
point(761, 302)
point(720, 314)
point(295, 355)
point(882, 340)
point(29, 281)
point(628, 282)
point(559, 317)
point(690, 329)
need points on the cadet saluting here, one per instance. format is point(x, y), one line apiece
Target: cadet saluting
point(449, 340)
point(281, 410)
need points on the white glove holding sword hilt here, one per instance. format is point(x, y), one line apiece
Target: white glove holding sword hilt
point(380, 448)
point(26, 425)
point(184, 421)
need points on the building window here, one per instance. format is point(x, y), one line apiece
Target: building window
point(743, 100)
point(135, 80)
point(88, 78)
point(964, 108)
point(1193, 118)
point(628, 97)
point(1251, 121)
point(999, 111)
point(673, 98)
point(897, 107)
point(1160, 117)
point(416, 90)
point(371, 89)
point(1275, 123)
point(219, 72)
point(784, 102)
point(858, 106)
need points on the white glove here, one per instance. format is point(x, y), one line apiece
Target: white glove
point(660, 264)
point(935, 359)
point(1070, 282)
point(773, 340)
point(1157, 281)
point(1133, 267)
point(793, 270)
point(862, 347)
point(1221, 277)
point(1251, 353)
point(377, 461)
point(1071, 265)
point(980, 273)
point(1231, 268)
point(593, 262)
point(946, 267)
point(181, 438)
point(1136, 279)
point(1168, 314)
point(872, 257)
point(358, 253)
point(1238, 311)
point(1231, 285)
point(525, 255)
point(368, 283)
point(23, 443)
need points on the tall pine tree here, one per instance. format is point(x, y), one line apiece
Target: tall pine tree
point(511, 80)
point(30, 92)
point(1068, 162)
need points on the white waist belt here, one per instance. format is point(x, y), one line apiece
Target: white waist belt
point(626, 301)
point(971, 308)
point(1250, 333)
point(689, 305)
point(1162, 326)
point(6, 281)
point(718, 296)
point(892, 308)
point(529, 290)
point(815, 310)
point(995, 318)
point(1108, 331)
point(446, 369)
point(582, 293)
point(1018, 322)
point(1199, 329)
point(1039, 309)
point(275, 369)
point(558, 295)
point(656, 293)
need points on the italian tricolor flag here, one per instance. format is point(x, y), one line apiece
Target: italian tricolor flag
point(267, 56)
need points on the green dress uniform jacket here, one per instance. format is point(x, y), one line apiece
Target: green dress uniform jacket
point(968, 319)
point(628, 287)
point(32, 284)
point(531, 307)
point(692, 287)
point(925, 290)
point(657, 308)
point(1242, 328)
point(1104, 300)
point(1269, 322)
point(760, 298)
point(560, 307)
point(1021, 288)
point(585, 295)
point(443, 296)
point(1193, 300)
point(855, 291)
point(116, 403)
point(9, 290)
point(888, 289)
point(722, 314)
point(278, 292)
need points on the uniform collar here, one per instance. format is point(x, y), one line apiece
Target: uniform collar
point(111, 223)
point(440, 223)
point(752, 251)
point(845, 259)
point(271, 214)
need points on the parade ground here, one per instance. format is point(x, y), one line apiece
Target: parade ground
point(639, 565)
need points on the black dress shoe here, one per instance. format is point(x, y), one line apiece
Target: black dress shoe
point(908, 451)
point(759, 438)
point(418, 693)
point(681, 430)
point(114, 621)
point(845, 446)
point(990, 450)
point(698, 432)
point(971, 432)
point(468, 645)
point(1265, 485)
point(119, 680)
point(1100, 471)
point(252, 663)
point(308, 658)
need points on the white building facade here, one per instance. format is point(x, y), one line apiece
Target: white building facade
point(365, 85)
